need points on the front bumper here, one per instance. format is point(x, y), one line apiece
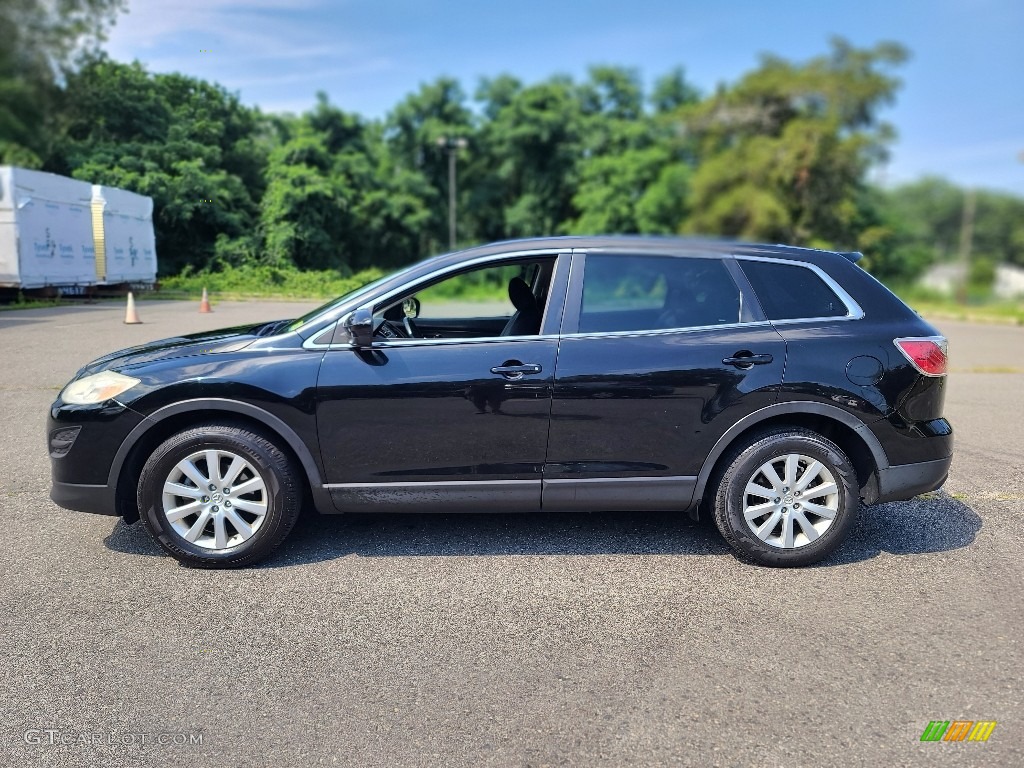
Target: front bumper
point(899, 482)
point(82, 442)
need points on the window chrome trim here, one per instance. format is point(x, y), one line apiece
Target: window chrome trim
point(853, 309)
point(399, 343)
point(665, 331)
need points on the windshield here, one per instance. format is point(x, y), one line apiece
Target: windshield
point(299, 322)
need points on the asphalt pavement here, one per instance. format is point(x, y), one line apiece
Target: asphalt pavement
point(503, 640)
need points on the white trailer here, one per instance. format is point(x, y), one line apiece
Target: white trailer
point(56, 231)
point(125, 243)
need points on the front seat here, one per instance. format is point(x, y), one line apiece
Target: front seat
point(526, 320)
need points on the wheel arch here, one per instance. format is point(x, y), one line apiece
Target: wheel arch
point(841, 427)
point(170, 419)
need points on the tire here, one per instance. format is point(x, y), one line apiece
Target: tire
point(241, 525)
point(820, 507)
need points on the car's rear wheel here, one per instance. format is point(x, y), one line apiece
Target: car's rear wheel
point(219, 496)
point(786, 498)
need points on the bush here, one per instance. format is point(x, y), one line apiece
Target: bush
point(265, 280)
point(981, 276)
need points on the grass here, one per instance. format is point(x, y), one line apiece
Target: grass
point(265, 282)
point(977, 309)
point(988, 369)
point(22, 303)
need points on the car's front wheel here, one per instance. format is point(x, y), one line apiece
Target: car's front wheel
point(786, 498)
point(219, 496)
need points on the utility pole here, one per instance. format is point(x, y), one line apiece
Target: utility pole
point(453, 145)
point(966, 236)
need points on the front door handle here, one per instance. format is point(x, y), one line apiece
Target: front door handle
point(515, 371)
point(744, 359)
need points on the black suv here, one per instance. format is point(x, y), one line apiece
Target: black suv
point(771, 387)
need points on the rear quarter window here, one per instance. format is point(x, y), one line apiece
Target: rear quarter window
point(790, 292)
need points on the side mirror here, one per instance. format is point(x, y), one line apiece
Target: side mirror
point(360, 327)
point(411, 307)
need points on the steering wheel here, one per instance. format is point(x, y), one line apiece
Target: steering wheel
point(389, 329)
point(410, 328)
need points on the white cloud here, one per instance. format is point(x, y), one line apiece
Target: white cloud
point(235, 27)
point(154, 19)
point(270, 50)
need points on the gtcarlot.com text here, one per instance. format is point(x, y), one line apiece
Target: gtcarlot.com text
point(55, 737)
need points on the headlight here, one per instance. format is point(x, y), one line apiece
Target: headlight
point(97, 388)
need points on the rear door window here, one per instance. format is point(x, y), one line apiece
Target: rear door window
point(790, 291)
point(623, 292)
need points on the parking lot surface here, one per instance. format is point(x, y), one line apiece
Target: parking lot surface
point(479, 640)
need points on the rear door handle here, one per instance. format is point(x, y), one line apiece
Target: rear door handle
point(516, 371)
point(742, 360)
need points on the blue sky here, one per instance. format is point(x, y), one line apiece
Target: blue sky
point(960, 112)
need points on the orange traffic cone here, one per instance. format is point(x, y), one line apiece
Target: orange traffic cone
point(204, 303)
point(131, 317)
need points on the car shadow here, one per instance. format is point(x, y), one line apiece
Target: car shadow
point(935, 523)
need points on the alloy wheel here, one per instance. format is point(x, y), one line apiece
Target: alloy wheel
point(790, 501)
point(215, 499)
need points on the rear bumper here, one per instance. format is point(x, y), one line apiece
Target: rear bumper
point(97, 499)
point(905, 481)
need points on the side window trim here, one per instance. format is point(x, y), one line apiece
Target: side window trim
point(554, 307)
point(482, 263)
point(853, 309)
point(313, 342)
point(751, 310)
point(574, 295)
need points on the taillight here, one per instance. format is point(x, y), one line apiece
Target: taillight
point(927, 354)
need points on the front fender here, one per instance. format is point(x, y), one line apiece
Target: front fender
point(228, 407)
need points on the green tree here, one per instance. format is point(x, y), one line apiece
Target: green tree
point(930, 210)
point(673, 91)
point(784, 152)
point(188, 144)
point(412, 131)
point(301, 216)
point(41, 41)
point(999, 228)
point(337, 199)
point(634, 172)
point(528, 153)
point(929, 214)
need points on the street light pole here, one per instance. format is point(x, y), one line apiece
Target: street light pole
point(966, 238)
point(453, 145)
